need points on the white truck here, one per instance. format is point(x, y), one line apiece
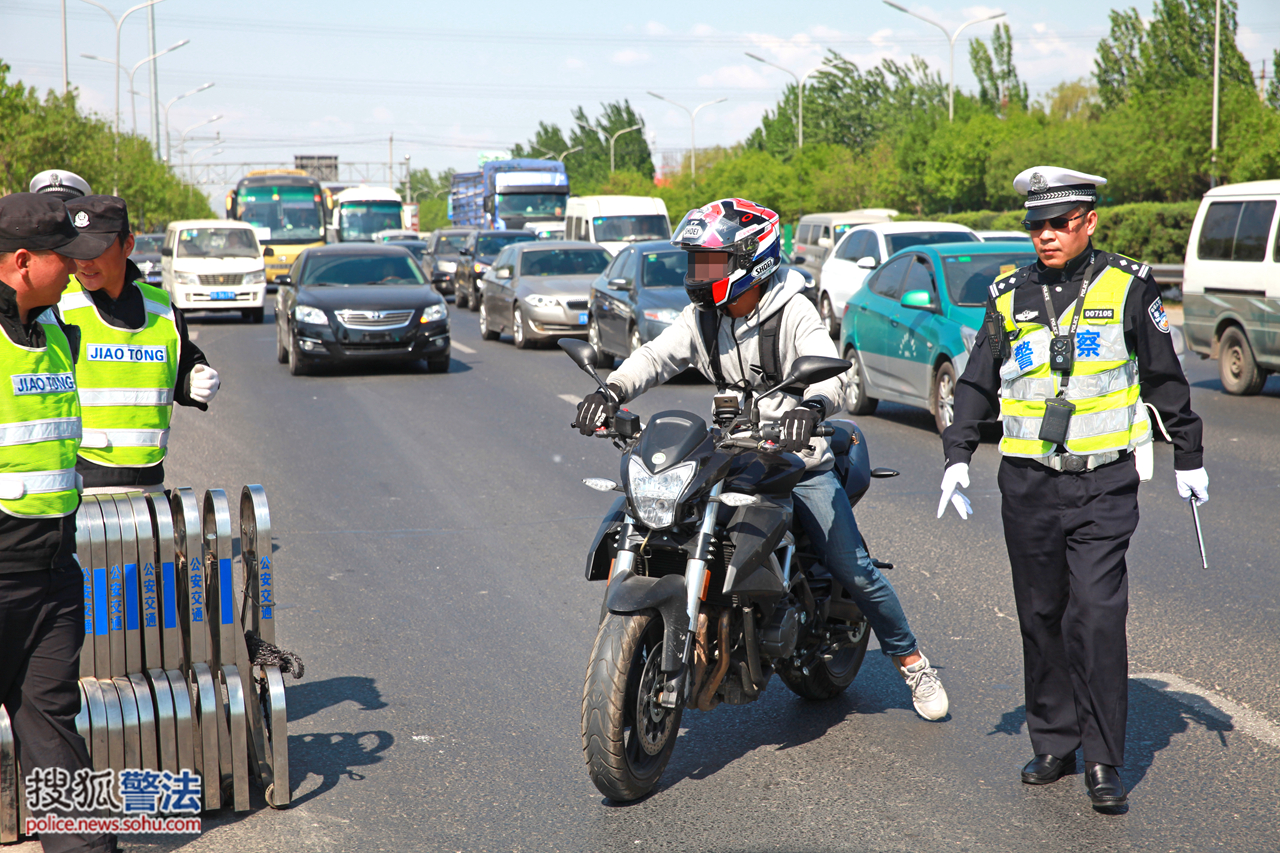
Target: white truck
point(360, 212)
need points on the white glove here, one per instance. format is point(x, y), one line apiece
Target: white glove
point(1193, 483)
point(953, 478)
point(204, 383)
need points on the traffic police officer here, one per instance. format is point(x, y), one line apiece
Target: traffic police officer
point(60, 184)
point(1074, 353)
point(136, 358)
point(41, 588)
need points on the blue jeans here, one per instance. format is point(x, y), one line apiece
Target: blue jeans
point(822, 508)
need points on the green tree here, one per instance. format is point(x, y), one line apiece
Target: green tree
point(1273, 88)
point(589, 168)
point(998, 83)
point(431, 192)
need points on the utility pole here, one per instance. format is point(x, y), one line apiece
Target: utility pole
point(155, 78)
point(64, 48)
point(1213, 142)
point(391, 161)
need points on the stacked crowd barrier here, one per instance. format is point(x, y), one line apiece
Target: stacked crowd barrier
point(167, 682)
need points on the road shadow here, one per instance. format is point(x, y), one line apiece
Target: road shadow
point(1271, 388)
point(308, 697)
point(333, 756)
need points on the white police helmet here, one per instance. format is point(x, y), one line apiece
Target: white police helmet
point(61, 184)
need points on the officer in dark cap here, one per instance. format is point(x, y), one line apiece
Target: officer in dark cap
point(1076, 357)
point(41, 588)
point(60, 184)
point(127, 402)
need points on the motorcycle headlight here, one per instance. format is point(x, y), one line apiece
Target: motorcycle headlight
point(186, 279)
point(432, 313)
point(310, 314)
point(255, 278)
point(537, 300)
point(656, 496)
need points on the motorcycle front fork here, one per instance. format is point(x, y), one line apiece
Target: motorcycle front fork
point(695, 579)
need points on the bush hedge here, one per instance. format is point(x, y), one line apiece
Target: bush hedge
point(1153, 232)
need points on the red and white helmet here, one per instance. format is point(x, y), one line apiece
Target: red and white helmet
point(733, 245)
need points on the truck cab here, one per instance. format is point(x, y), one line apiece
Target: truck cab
point(361, 212)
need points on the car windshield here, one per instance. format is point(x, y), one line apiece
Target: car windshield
point(147, 244)
point(362, 219)
point(969, 276)
point(630, 229)
point(450, 244)
point(531, 204)
point(564, 262)
point(415, 247)
point(491, 244)
point(289, 214)
point(664, 269)
point(898, 242)
point(361, 269)
point(217, 243)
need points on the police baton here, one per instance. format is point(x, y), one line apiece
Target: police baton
point(1195, 514)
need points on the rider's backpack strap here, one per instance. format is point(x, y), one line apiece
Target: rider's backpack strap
point(770, 348)
point(710, 329)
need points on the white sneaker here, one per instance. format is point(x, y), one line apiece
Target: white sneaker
point(927, 692)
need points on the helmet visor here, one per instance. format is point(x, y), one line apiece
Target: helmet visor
point(706, 267)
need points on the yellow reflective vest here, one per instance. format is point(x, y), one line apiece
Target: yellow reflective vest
point(39, 426)
point(1109, 414)
point(126, 379)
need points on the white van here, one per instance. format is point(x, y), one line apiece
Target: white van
point(1231, 283)
point(818, 233)
point(616, 221)
point(214, 265)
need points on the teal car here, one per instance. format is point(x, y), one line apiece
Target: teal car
point(909, 328)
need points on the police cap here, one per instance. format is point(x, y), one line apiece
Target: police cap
point(99, 219)
point(60, 183)
point(38, 222)
point(1053, 191)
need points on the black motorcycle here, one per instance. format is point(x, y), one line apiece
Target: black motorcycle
point(712, 585)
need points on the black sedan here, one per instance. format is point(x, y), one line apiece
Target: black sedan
point(359, 302)
point(146, 254)
point(443, 256)
point(477, 257)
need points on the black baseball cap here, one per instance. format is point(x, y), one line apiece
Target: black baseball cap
point(37, 222)
point(99, 219)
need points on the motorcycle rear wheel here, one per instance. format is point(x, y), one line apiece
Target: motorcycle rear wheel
point(627, 737)
point(827, 679)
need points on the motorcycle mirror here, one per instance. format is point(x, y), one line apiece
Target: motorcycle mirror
point(584, 355)
point(808, 369)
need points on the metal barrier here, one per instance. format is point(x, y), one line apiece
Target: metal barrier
point(167, 682)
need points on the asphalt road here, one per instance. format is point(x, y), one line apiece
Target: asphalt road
point(430, 534)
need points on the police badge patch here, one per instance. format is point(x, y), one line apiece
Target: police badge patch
point(1161, 319)
point(81, 220)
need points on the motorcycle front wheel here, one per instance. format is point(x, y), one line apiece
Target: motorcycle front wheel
point(627, 736)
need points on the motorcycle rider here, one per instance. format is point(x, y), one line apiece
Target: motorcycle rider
point(732, 282)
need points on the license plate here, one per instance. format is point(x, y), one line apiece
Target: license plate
point(582, 318)
point(376, 337)
point(222, 294)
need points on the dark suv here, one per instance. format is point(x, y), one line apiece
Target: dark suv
point(478, 254)
point(443, 256)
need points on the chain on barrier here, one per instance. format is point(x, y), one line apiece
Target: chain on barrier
point(173, 675)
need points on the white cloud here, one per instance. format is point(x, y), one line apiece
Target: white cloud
point(573, 63)
point(627, 56)
point(653, 28)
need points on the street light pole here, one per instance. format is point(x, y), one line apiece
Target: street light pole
point(182, 144)
point(1213, 141)
point(168, 142)
point(612, 139)
point(799, 95)
point(693, 141)
point(133, 101)
point(951, 87)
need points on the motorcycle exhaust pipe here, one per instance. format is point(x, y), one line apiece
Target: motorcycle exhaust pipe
point(707, 698)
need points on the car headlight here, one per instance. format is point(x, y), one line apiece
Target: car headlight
point(662, 315)
point(656, 496)
point(446, 266)
point(253, 278)
point(537, 300)
point(186, 279)
point(310, 314)
point(432, 313)
point(480, 268)
point(968, 336)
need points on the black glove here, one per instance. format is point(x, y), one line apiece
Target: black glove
point(596, 409)
point(796, 428)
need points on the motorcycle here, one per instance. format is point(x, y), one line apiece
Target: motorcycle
point(712, 584)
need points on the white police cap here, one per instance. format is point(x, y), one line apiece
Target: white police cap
point(60, 183)
point(1052, 191)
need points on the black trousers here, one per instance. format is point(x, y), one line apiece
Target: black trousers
point(41, 633)
point(1067, 535)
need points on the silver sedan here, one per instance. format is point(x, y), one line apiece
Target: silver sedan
point(539, 291)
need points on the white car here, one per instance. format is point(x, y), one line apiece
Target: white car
point(214, 265)
point(863, 249)
point(1004, 236)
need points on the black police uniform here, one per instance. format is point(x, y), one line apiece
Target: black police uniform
point(128, 312)
point(1067, 533)
point(41, 587)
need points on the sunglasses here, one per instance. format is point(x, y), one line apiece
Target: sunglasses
point(1057, 223)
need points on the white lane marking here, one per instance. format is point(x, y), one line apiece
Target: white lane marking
point(570, 399)
point(1242, 719)
point(463, 348)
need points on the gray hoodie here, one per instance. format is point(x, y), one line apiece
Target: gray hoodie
point(802, 333)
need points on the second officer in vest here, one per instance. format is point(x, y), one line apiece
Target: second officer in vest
point(136, 359)
point(1075, 354)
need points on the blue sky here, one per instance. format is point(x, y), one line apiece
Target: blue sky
point(450, 79)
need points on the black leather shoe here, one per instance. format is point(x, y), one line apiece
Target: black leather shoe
point(1044, 769)
point(1106, 790)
